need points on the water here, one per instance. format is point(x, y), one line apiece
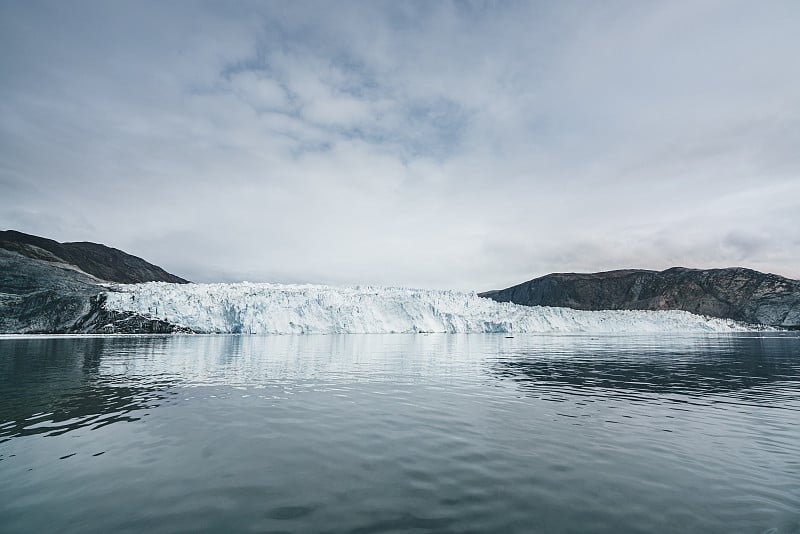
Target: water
point(395, 433)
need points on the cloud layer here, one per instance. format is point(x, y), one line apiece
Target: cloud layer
point(464, 145)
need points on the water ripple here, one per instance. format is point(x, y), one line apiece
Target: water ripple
point(436, 433)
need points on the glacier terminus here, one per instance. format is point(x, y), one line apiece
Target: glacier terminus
point(266, 308)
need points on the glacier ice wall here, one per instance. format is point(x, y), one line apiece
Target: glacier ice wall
point(315, 309)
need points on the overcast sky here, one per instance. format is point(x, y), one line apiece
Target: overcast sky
point(432, 144)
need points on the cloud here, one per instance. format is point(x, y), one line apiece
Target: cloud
point(466, 145)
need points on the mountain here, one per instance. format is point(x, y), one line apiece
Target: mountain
point(51, 287)
point(100, 261)
point(734, 293)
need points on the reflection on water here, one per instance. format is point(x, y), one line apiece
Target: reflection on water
point(694, 366)
point(52, 386)
point(438, 433)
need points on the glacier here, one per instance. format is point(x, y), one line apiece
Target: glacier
point(265, 308)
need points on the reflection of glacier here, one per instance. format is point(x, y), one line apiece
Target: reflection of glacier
point(313, 309)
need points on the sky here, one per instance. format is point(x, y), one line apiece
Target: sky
point(463, 145)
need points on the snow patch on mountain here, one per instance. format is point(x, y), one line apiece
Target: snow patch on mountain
point(316, 309)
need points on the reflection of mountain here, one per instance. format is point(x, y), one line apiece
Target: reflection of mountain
point(694, 370)
point(52, 386)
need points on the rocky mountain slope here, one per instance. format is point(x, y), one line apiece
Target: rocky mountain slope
point(735, 293)
point(51, 287)
point(100, 261)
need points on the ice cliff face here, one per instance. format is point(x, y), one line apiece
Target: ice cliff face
point(315, 309)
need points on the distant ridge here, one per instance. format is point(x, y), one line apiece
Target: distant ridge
point(105, 263)
point(734, 293)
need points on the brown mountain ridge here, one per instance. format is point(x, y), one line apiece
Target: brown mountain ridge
point(733, 293)
point(106, 263)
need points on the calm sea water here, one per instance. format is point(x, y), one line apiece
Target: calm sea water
point(425, 433)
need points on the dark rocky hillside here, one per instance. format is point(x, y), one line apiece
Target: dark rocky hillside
point(103, 262)
point(42, 292)
point(735, 293)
